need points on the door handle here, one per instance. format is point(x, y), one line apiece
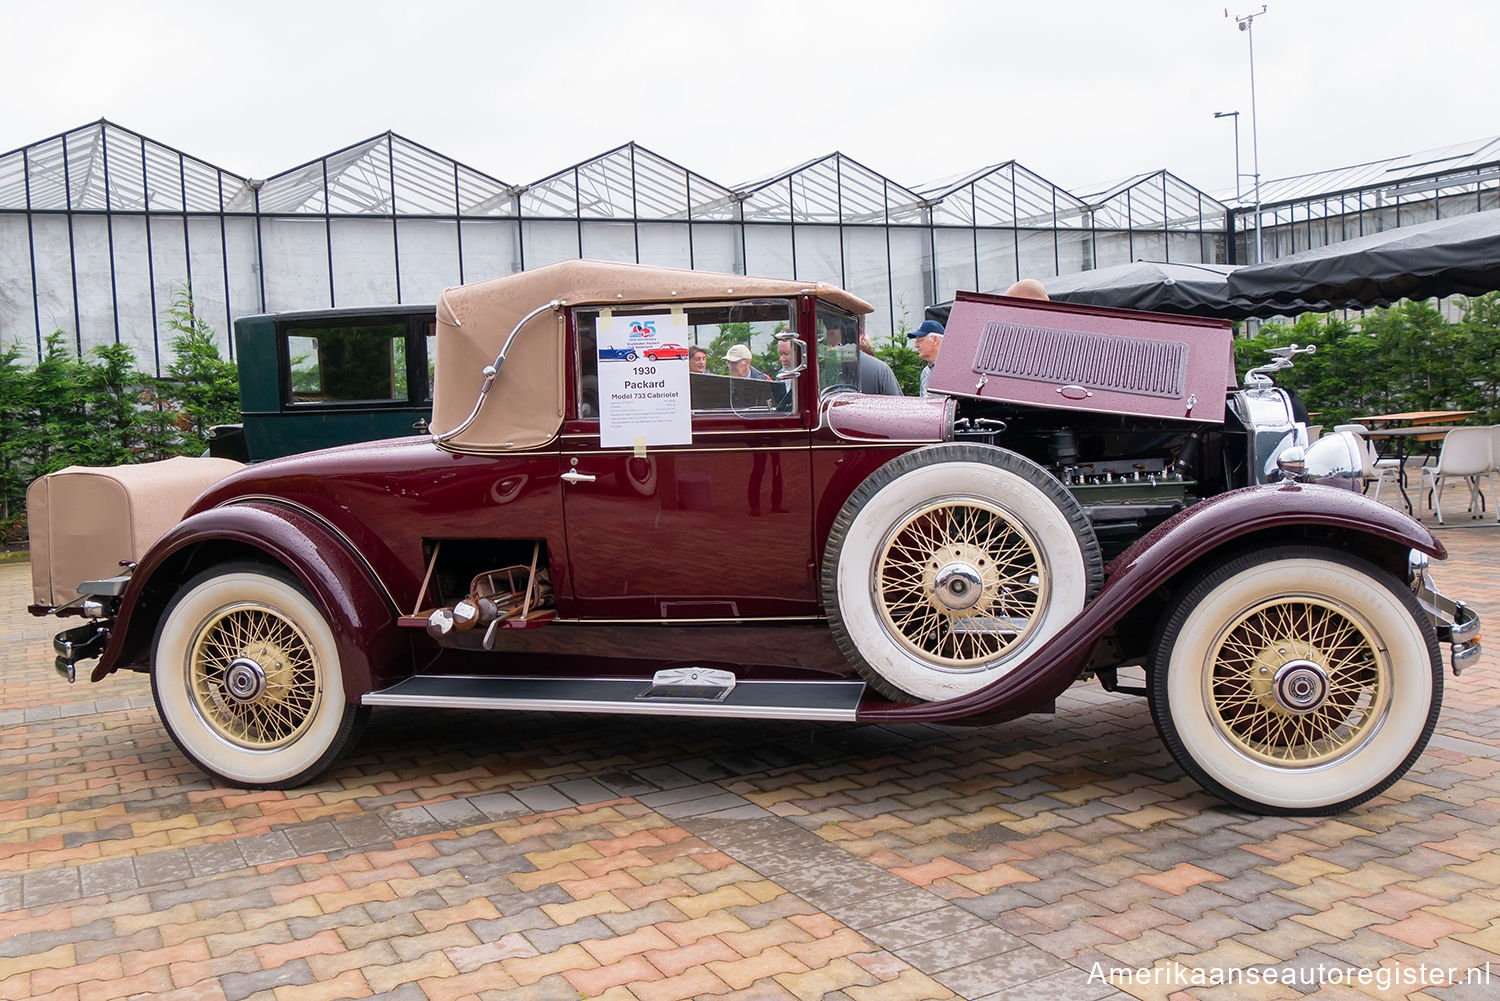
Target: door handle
point(574, 476)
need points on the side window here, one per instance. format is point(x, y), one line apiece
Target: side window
point(736, 358)
point(364, 364)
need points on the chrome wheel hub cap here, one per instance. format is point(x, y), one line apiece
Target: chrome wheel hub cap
point(958, 586)
point(245, 681)
point(1300, 687)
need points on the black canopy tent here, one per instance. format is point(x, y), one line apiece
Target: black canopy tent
point(1158, 286)
point(1458, 256)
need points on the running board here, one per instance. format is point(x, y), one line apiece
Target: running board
point(810, 700)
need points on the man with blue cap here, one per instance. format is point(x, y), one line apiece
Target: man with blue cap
point(928, 340)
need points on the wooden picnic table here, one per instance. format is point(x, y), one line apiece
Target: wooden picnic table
point(1417, 417)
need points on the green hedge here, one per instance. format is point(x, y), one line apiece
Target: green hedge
point(1395, 360)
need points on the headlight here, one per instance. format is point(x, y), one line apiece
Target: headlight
point(1337, 459)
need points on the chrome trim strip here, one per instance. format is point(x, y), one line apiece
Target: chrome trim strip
point(628, 453)
point(877, 442)
point(315, 516)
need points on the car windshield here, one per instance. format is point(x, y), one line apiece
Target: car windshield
point(838, 349)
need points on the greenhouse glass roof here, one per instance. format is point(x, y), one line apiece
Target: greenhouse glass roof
point(384, 175)
point(1409, 173)
point(104, 167)
point(1159, 200)
point(831, 189)
point(627, 182)
point(1005, 194)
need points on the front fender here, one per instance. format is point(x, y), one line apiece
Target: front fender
point(361, 614)
point(1193, 535)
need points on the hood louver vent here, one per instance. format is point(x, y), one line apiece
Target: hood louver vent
point(1136, 366)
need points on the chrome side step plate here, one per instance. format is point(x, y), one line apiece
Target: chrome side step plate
point(809, 700)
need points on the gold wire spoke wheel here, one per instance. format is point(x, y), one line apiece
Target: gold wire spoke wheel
point(960, 582)
point(254, 677)
point(1297, 682)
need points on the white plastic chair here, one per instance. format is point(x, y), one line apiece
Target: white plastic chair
point(1378, 470)
point(1465, 455)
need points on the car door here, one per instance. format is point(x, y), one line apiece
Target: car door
point(717, 526)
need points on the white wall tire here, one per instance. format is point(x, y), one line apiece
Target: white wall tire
point(950, 565)
point(246, 678)
point(1296, 681)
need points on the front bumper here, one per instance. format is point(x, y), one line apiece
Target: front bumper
point(1456, 623)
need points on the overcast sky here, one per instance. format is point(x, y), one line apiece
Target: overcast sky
point(1081, 91)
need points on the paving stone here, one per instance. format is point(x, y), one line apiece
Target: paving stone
point(879, 910)
point(938, 923)
point(314, 838)
point(162, 867)
point(499, 806)
point(1012, 967)
point(664, 777)
point(456, 813)
point(51, 886)
point(109, 878)
point(552, 939)
point(364, 832)
point(258, 849)
point(938, 954)
point(215, 859)
point(584, 791)
point(410, 822)
point(237, 986)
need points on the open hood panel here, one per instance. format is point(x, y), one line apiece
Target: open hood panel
point(1094, 360)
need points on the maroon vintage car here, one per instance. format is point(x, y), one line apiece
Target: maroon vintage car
point(1086, 490)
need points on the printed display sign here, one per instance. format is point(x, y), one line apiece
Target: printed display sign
point(644, 393)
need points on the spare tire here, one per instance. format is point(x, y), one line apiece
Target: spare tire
point(950, 565)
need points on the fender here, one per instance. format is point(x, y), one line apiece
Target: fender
point(362, 617)
point(1152, 562)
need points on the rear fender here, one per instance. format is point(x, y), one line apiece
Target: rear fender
point(363, 617)
point(1206, 533)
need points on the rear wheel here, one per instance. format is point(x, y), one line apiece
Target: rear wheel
point(246, 677)
point(950, 565)
point(1296, 681)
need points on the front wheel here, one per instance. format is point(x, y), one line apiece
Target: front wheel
point(246, 677)
point(1296, 681)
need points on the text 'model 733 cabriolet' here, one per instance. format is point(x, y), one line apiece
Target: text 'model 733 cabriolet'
point(1086, 490)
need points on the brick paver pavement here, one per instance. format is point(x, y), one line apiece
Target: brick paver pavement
point(461, 855)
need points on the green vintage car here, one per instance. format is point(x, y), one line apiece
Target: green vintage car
point(316, 378)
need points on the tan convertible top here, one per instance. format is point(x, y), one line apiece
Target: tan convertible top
point(525, 405)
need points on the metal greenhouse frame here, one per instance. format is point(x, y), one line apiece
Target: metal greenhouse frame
point(101, 228)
